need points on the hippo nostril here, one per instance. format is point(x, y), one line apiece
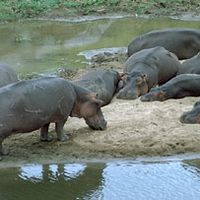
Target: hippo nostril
point(182, 118)
point(186, 119)
point(143, 98)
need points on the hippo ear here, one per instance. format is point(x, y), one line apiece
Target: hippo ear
point(99, 103)
point(141, 79)
point(93, 95)
point(121, 76)
point(120, 85)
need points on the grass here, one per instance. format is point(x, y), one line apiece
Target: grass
point(18, 9)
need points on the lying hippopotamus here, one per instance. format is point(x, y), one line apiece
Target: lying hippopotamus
point(185, 43)
point(180, 86)
point(29, 105)
point(190, 66)
point(7, 75)
point(146, 69)
point(193, 116)
point(102, 82)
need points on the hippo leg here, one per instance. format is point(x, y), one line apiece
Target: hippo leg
point(3, 151)
point(59, 130)
point(44, 136)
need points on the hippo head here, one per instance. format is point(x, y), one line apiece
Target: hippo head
point(132, 86)
point(193, 116)
point(89, 107)
point(155, 94)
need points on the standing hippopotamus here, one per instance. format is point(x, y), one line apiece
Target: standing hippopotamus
point(190, 66)
point(7, 75)
point(29, 105)
point(102, 82)
point(193, 116)
point(184, 43)
point(180, 86)
point(146, 69)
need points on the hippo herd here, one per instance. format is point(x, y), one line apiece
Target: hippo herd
point(153, 72)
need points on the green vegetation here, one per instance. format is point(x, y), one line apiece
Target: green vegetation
point(18, 9)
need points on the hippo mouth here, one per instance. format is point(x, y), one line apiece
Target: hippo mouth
point(126, 95)
point(186, 118)
point(96, 125)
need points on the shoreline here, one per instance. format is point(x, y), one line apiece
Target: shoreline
point(135, 130)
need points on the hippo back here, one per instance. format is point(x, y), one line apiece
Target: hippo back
point(184, 43)
point(7, 75)
point(190, 66)
point(100, 81)
point(35, 102)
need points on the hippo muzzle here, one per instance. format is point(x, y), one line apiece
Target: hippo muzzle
point(96, 122)
point(189, 118)
point(127, 94)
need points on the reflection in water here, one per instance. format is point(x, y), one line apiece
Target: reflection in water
point(38, 172)
point(113, 180)
point(31, 173)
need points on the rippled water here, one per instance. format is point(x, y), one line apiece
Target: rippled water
point(43, 46)
point(120, 180)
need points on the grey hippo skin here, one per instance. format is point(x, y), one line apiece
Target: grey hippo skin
point(180, 86)
point(190, 66)
point(33, 104)
point(185, 43)
point(102, 82)
point(192, 116)
point(146, 69)
point(7, 75)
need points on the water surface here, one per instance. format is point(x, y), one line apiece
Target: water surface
point(120, 180)
point(43, 46)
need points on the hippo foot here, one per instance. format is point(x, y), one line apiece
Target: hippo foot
point(63, 137)
point(46, 139)
point(4, 152)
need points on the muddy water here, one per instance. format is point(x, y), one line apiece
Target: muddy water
point(112, 180)
point(43, 46)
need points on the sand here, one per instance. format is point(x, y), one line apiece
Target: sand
point(134, 129)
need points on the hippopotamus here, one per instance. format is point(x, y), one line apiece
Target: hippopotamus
point(102, 82)
point(7, 75)
point(33, 104)
point(180, 86)
point(146, 69)
point(190, 66)
point(192, 116)
point(184, 43)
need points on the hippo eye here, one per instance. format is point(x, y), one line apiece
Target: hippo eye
point(128, 78)
point(197, 103)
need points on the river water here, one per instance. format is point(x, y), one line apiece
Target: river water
point(114, 180)
point(43, 46)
